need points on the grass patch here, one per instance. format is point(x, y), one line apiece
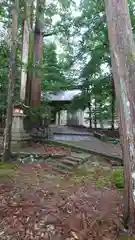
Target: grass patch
point(82, 175)
point(104, 182)
point(7, 171)
point(7, 166)
point(100, 176)
point(118, 178)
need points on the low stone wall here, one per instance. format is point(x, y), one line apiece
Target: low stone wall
point(109, 133)
point(100, 135)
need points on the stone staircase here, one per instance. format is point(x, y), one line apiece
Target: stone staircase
point(67, 164)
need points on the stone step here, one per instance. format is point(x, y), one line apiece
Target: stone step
point(61, 171)
point(70, 162)
point(80, 155)
point(65, 165)
point(75, 159)
point(51, 161)
point(67, 161)
point(63, 168)
point(62, 165)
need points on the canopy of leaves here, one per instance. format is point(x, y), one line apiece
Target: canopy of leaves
point(3, 75)
point(53, 78)
point(79, 32)
point(94, 57)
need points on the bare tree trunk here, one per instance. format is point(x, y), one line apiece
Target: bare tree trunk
point(11, 83)
point(25, 50)
point(113, 104)
point(123, 66)
point(90, 119)
point(89, 106)
point(59, 112)
point(100, 118)
point(30, 58)
point(95, 116)
point(36, 81)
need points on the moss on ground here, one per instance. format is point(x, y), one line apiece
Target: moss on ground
point(7, 171)
point(7, 166)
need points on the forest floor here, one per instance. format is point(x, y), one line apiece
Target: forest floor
point(38, 203)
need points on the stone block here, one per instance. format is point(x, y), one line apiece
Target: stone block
point(18, 131)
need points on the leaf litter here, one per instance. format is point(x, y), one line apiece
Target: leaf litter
point(39, 204)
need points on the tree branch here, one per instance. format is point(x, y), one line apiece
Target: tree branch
point(49, 34)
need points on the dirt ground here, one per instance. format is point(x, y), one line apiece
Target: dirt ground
point(37, 204)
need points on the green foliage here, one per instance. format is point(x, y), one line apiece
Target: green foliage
point(103, 182)
point(52, 74)
point(6, 166)
point(79, 102)
point(7, 171)
point(81, 32)
point(96, 78)
point(95, 72)
point(4, 54)
point(100, 176)
point(3, 75)
point(118, 178)
point(36, 116)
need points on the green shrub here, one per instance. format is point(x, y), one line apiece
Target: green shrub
point(118, 178)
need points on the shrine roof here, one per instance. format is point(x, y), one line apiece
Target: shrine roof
point(61, 96)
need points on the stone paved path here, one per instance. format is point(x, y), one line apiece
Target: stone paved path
point(107, 149)
point(72, 137)
point(87, 141)
point(69, 130)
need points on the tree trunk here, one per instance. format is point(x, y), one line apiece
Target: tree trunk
point(30, 59)
point(89, 107)
point(90, 120)
point(123, 66)
point(95, 116)
point(113, 105)
point(11, 83)
point(25, 50)
point(59, 112)
point(36, 81)
point(100, 118)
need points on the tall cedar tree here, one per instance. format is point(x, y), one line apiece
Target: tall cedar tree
point(11, 82)
point(123, 65)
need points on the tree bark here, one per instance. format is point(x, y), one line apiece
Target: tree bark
point(95, 116)
point(11, 83)
point(113, 104)
point(38, 42)
point(30, 58)
point(89, 107)
point(25, 50)
point(123, 65)
point(59, 112)
point(89, 103)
